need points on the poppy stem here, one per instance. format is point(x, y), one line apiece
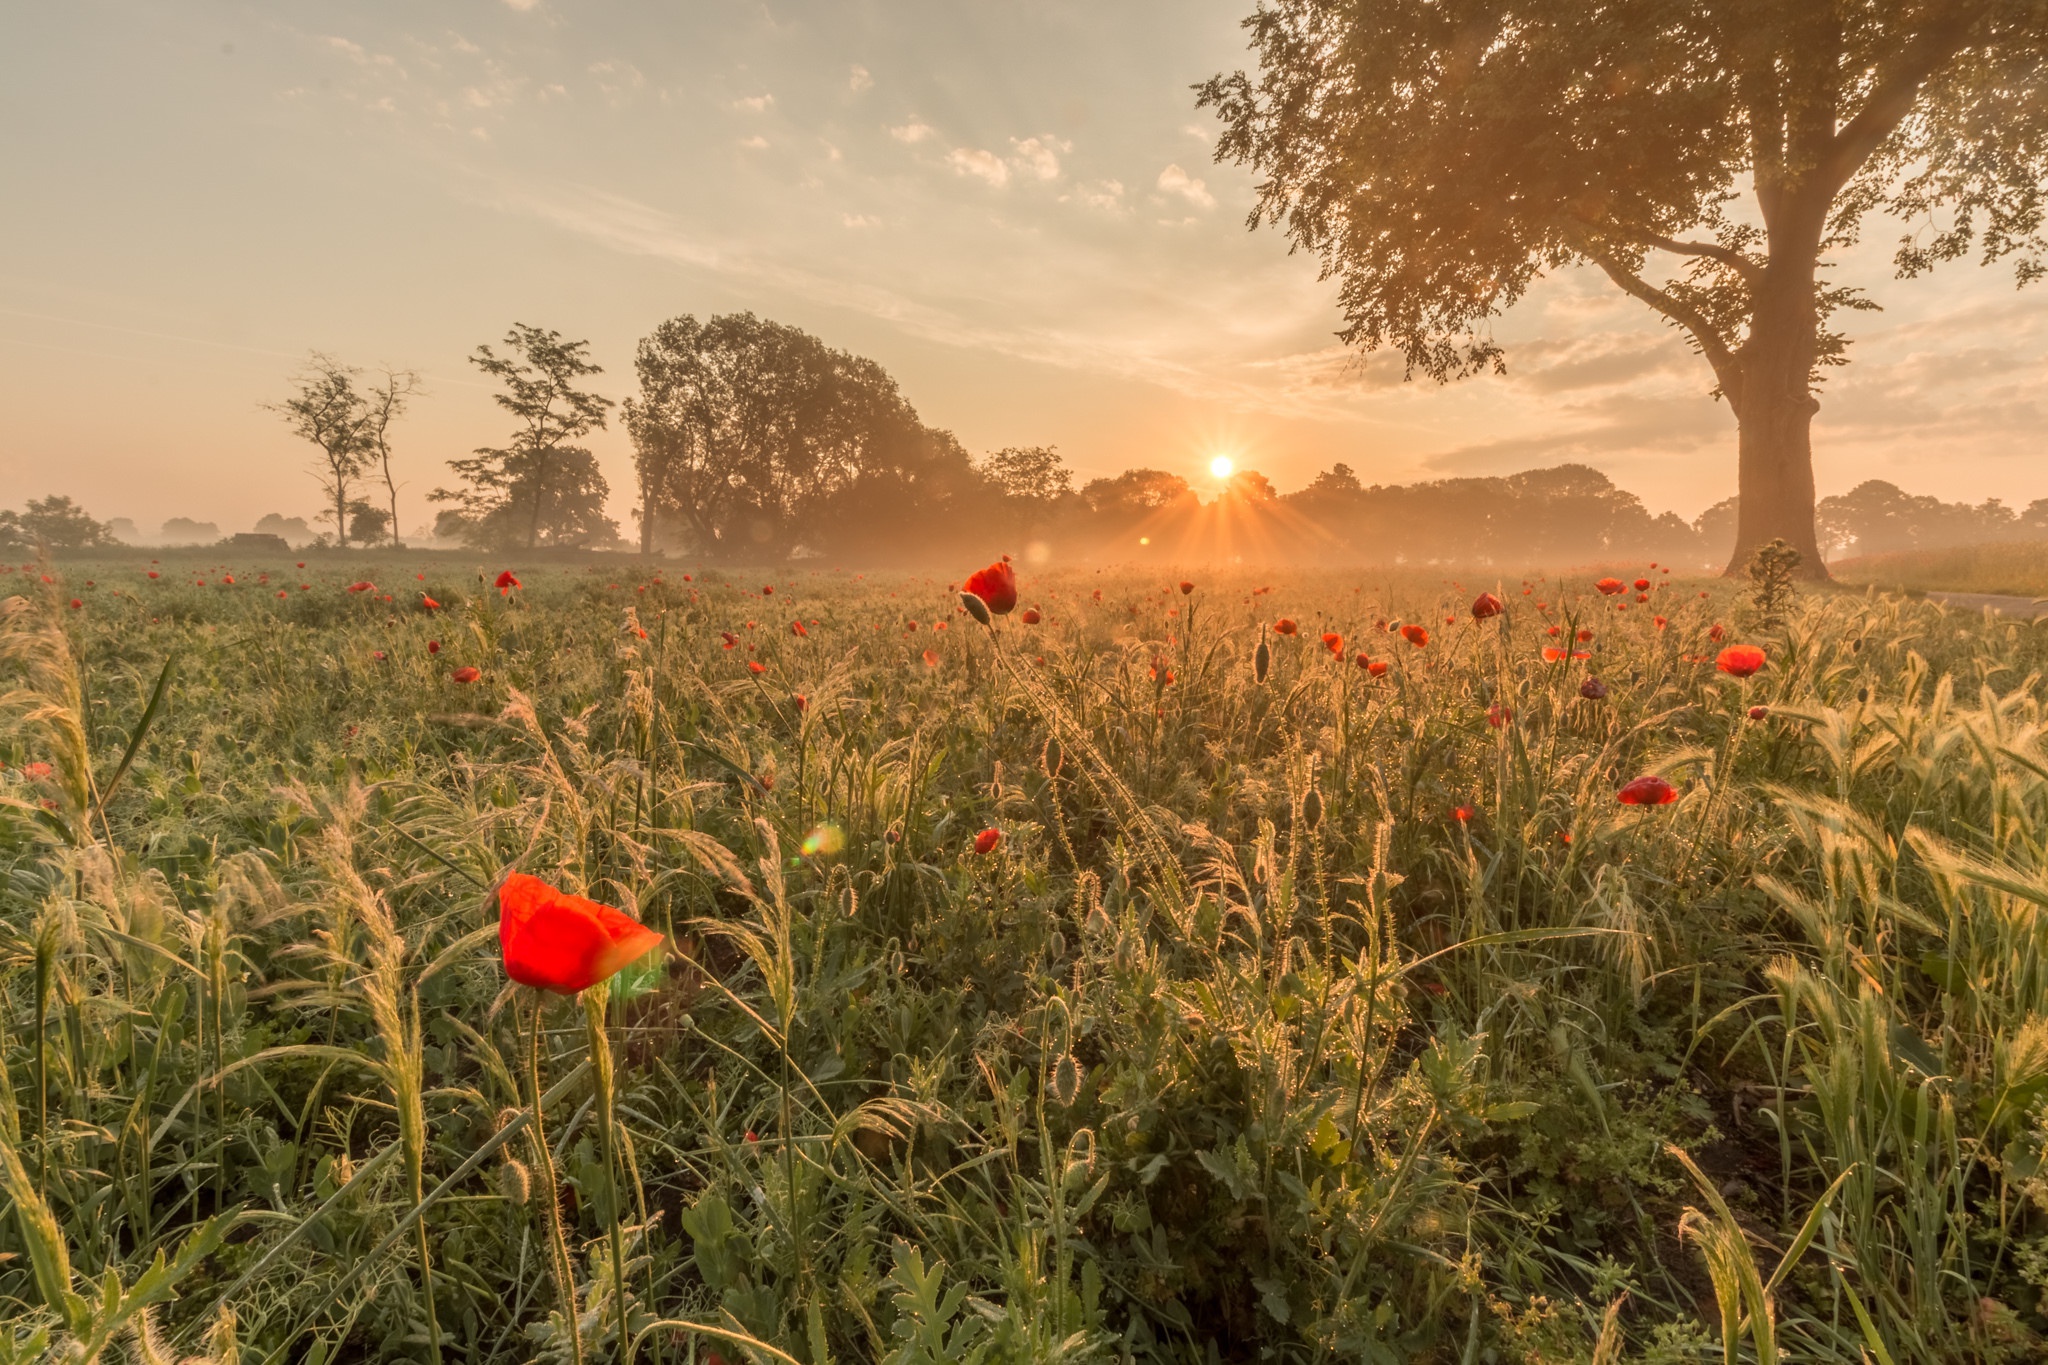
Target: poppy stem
point(558, 1242)
point(594, 1001)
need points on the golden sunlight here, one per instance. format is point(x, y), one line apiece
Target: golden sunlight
point(1220, 467)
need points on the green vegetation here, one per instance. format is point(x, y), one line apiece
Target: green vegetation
point(1337, 1016)
point(2011, 568)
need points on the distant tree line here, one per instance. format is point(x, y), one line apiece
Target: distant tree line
point(755, 440)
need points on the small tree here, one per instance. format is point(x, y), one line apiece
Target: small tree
point(332, 415)
point(382, 406)
point(539, 490)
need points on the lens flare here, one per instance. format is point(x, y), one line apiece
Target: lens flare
point(1221, 466)
point(824, 841)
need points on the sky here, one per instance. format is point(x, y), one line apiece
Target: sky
point(1014, 208)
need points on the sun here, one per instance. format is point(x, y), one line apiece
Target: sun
point(1221, 466)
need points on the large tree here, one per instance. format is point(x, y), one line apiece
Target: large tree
point(1440, 156)
point(750, 435)
point(540, 490)
point(53, 523)
point(330, 412)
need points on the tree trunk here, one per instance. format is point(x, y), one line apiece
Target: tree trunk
point(1775, 478)
point(1774, 404)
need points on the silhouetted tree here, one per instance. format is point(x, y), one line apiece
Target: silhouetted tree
point(539, 490)
point(329, 412)
point(1033, 473)
point(1439, 157)
point(750, 435)
point(55, 523)
point(382, 406)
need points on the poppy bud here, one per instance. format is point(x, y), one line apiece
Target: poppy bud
point(1312, 808)
point(1055, 757)
point(976, 608)
point(1262, 661)
point(1186, 587)
point(1862, 694)
point(892, 835)
point(1759, 712)
point(1066, 1081)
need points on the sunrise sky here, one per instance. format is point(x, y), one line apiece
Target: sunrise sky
point(1011, 207)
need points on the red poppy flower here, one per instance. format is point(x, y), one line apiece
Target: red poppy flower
point(1553, 653)
point(1585, 634)
point(1611, 586)
point(364, 586)
point(1740, 660)
point(1659, 622)
point(152, 573)
point(1462, 814)
point(429, 603)
point(1642, 585)
point(506, 582)
point(1759, 712)
point(803, 703)
point(767, 590)
point(281, 592)
point(379, 655)
point(1485, 605)
point(996, 586)
point(1647, 791)
point(797, 628)
point(1716, 632)
point(1285, 626)
point(986, 841)
point(756, 666)
point(1333, 643)
point(1498, 715)
point(1415, 635)
point(1552, 631)
point(433, 646)
point(931, 659)
point(1377, 668)
point(77, 605)
point(467, 674)
point(563, 943)
point(35, 770)
point(301, 564)
point(1362, 661)
point(1031, 616)
point(1186, 587)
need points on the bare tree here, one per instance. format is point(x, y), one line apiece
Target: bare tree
point(328, 411)
point(383, 405)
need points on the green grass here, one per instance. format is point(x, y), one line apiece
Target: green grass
point(1243, 1043)
point(2008, 568)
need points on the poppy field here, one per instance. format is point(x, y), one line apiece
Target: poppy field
point(410, 958)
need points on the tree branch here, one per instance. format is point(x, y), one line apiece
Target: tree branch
point(1751, 272)
point(1727, 369)
point(1893, 97)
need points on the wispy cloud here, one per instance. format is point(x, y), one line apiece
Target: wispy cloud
point(858, 79)
point(982, 165)
point(912, 132)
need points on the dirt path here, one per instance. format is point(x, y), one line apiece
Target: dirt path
point(2025, 607)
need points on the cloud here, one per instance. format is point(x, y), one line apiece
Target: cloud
point(980, 164)
point(1039, 156)
point(859, 220)
point(912, 132)
point(754, 143)
point(1174, 180)
point(521, 5)
point(754, 104)
point(858, 79)
point(1107, 195)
